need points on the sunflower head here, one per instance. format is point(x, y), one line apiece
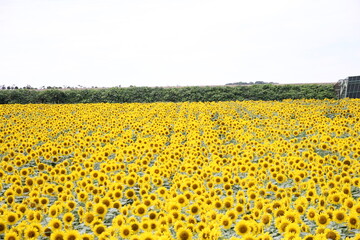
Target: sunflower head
point(98, 229)
point(11, 218)
point(183, 234)
point(242, 227)
point(68, 218)
point(72, 235)
point(125, 231)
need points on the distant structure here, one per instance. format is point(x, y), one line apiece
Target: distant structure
point(250, 83)
point(348, 87)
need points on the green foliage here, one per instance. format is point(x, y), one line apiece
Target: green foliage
point(158, 94)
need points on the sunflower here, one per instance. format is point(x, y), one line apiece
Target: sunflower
point(37, 226)
point(140, 210)
point(332, 234)
point(336, 198)
point(153, 225)
point(147, 236)
point(239, 208)
point(53, 211)
point(322, 219)
point(226, 222)
point(182, 200)
point(44, 201)
point(353, 221)
point(357, 236)
point(175, 214)
point(183, 234)
point(292, 216)
point(70, 205)
point(145, 225)
point(311, 214)
point(153, 215)
point(232, 214)
point(100, 209)
point(218, 204)
point(349, 203)
point(3, 226)
point(107, 201)
point(194, 209)
point(124, 211)
point(125, 231)
point(309, 237)
point(162, 191)
point(118, 220)
point(68, 218)
point(135, 226)
point(47, 232)
point(72, 235)
point(281, 223)
point(249, 236)
point(11, 235)
point(252, 195)
point(38, 215)
point(130, 181)
point(280, 212)
point(98, 229)
point(10, 199)
point(117, 194)
point(130, 193)
point(31, 233)
point(57, 235)
point(356, 209)
point(339, 216)
point(88, 218)
point(265, 236)
point(255, 214)
point(293, 228)
point(242, 227)
point(266, 219)
point(87, 236)
point(178, 225)
point(11, 218)
point(228, 203)
point(281, 178)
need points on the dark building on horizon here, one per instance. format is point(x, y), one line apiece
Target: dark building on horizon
point(348, 87)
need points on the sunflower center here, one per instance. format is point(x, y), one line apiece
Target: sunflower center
point(71, 237)
point(11, 219)
point(322, 220)
point(340, 216)
point(184, 236)
point(31, 234)
point(243, 229)
point(126, 232)
point(100, 230)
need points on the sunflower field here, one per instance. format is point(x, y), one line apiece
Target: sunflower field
point(212, 170)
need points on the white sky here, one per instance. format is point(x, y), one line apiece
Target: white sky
point(108, 43)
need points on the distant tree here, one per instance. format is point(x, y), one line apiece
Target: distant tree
point(260, 82)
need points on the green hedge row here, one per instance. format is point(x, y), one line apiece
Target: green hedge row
point(158, 94)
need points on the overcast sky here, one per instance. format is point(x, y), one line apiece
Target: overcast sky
point(108, 43)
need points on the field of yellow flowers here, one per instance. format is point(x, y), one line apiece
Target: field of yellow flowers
point(213, 170)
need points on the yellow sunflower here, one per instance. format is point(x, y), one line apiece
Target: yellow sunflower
point(183, 234)
point(242, 228)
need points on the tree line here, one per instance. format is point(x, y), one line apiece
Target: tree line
point(160, 94)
